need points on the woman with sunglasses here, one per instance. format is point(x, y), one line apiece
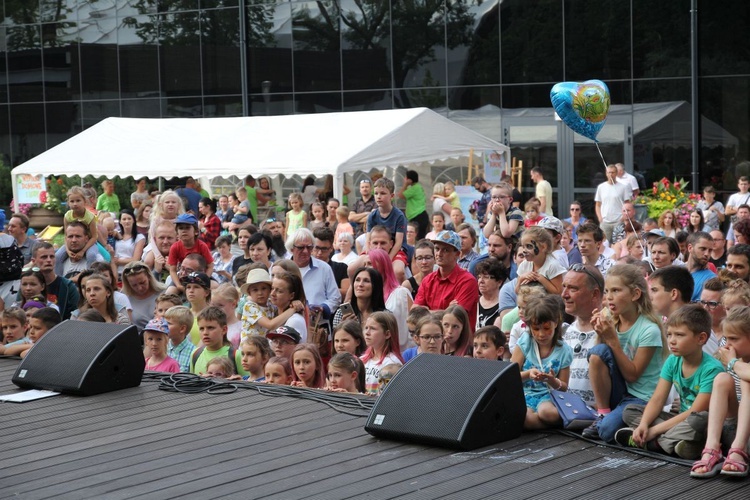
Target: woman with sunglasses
point(140, 286)
point(576, 218)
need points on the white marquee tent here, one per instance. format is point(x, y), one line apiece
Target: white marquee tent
point(318, 144)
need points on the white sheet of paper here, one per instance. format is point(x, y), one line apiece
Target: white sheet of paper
point(22, 397)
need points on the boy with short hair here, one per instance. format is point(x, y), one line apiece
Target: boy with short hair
point(692, 373)
point(187, 243)
point(180, 321)
point(387, 215)
point(164, 302)
point(41, 321)
point(670, 288)
point(14, 325)
point(416, 314)
point(489, 343)
point(212, 323)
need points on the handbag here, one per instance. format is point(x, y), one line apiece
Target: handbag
point(574, 412)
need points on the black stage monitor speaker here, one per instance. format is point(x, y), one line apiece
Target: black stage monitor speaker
point(452, 402)
point(83, 358)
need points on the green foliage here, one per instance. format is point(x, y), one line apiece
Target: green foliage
point(57, 189)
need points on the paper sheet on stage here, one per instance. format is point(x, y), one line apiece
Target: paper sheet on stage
point(22, 397)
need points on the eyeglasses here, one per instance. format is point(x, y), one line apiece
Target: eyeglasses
point(278, 341)
point(303, 247)
point(35, 269)
point(575, 209)
point(431, 338)
point(581, 268)
point(137, 268)
point(709, 304)
point(321, 249)
point(581, 339)
point(497, 197)
point(424, 257)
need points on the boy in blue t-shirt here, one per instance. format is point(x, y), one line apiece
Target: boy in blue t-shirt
point(692, 373)
point(387, 215)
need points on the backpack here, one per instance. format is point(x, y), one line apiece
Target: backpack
point(230, 355)
point(11, 260)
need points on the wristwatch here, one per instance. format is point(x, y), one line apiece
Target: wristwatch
point(730, 365)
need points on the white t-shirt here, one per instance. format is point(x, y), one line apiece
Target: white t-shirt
point(630, 181)
point(579, 368)
point(398, 304)
point(126, 248)
point(297, 321)
point(562, 257)
point(550, 269)
point(612, 196)
point(544, 190)
point(372, 372)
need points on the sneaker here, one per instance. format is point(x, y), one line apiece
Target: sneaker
point(689, 450)
point(624, 437)
point(592, 431)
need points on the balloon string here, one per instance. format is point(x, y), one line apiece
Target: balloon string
point(601, 155)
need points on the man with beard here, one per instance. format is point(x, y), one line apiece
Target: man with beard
point(156, 253)
point(502, 249)
point(76, 236)
point(699, 252)
point(60, 291)
point(483, 187)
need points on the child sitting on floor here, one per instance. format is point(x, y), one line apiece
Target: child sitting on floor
point(692, 373)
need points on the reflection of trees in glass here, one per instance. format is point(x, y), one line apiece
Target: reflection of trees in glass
point(168, 25)
point(26, 13)
point(416, 28)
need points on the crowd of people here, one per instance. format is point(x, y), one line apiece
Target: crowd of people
point(646, 321)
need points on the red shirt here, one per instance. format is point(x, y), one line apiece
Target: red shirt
point(178, 252)
point(212, 228)
point(437, 292)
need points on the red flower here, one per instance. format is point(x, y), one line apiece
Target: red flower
point(60, 182)
point(654, 190)
point(43, 197)
point(677, 185)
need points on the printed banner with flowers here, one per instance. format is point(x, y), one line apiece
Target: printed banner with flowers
point(666, 195)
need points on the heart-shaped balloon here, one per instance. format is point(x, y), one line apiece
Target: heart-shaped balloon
point(582, 106)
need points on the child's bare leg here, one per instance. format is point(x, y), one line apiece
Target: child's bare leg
point(532, 421)
point(723, 402)
point(743, 424)
point(548, 414)
point(601, 383)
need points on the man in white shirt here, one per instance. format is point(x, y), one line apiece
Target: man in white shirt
point(610, 196)
point(624, 177)
point(543, 191)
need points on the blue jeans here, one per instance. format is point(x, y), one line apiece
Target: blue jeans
point(619, 397)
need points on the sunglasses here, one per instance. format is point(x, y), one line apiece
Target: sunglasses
point(581, 339)
point(303, 247)
point(269, 221)
point(134, 269)
point(581, 268)
point(708, 304)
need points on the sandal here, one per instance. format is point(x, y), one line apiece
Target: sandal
point(712, 464)
point(741, 467)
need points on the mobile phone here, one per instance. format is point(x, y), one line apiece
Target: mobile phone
point(346, 308)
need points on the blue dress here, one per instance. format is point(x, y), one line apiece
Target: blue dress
point(560, 357)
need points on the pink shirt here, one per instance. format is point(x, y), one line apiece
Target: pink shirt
point(169, 365)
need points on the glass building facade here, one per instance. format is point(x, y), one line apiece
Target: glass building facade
point(67, 64)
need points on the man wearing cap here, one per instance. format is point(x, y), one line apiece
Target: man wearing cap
point(187, 243)
point(18, 225)
point(556, 229)
point(449, 284)
point(317, 277)
point(362, 207)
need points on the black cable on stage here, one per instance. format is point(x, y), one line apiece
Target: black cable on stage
point(189, 383)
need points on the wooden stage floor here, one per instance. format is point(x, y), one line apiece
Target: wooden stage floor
point(148, 443)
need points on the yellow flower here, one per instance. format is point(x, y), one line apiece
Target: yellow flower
point(663, 195)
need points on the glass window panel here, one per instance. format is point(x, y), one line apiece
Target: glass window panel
point(659, 52)
point(138, 56)
point(365, 38)
point(28, 137)
point(63, 121)
point(318, 103)
point(530, 35)
point(191, 107)
point(25, 79)
point(220, 39)
point(527, 96)
point(175, 5)
point(61, 82)
point(141, 108)
point(473, 97)
point(368, 100)
point(269, 48)
point(420, 98)
point(210, 4)
point(271, 104)
point(722, 37)
point(99, 71)
point(473, 42)
point(96, 111)
point(5, 153)
point(418, 49)
point(222, 106)
point(317, 46)
point(597, 41)
point(725, 129)
point(179, 54)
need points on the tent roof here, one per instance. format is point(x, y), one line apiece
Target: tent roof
point(319, 144)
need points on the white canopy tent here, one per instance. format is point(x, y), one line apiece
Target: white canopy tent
point(318, 144)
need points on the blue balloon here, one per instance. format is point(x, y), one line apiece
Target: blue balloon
point(582, 106)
